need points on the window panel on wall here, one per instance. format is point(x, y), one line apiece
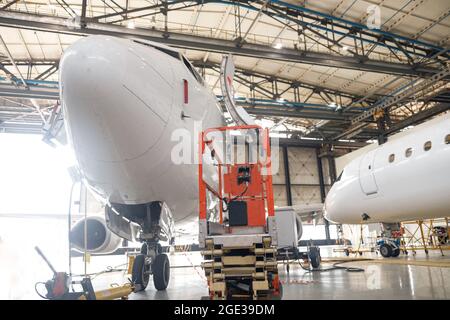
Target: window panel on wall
point(305, 195)
point(303, 166)
point(333, 231)
point(313, 232)
point(279, 196)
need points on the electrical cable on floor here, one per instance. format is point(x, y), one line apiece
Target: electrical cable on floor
point(108, 269)
point(334, 267)
point(37, 291)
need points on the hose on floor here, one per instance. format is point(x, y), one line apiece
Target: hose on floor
point(336, 266)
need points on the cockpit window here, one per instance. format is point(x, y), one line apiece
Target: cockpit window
point(340, 176)
point(169, 52)
point(174, 54)
point(192, 70)
point(447, 139)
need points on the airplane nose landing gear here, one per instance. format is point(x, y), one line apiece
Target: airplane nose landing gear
point(385, 250)
point(151, 261)
point(156, 224)
point(389, 244)
point(314, 257)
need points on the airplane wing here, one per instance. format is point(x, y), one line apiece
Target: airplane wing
point(307, 213)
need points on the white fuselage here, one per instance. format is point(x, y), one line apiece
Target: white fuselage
point(122, 102)
point(398, 181)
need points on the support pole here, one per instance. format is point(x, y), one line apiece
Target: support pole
point(83, 13)
point(322, 190)
point(287, 176)
point(420, 222)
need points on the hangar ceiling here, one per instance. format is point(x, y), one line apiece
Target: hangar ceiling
point(314, 69)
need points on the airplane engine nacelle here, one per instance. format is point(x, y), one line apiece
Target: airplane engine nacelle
point(99, 238)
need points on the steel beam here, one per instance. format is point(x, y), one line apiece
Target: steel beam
point(188, 41)
point(314, 143)
point(9, 90)
point(410, 90)
point(331, 115)
point(17, 127)
point(419, 117)
point(9, 4)
point(292, 83)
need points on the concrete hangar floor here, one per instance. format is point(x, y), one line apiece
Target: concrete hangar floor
point(408, 278)
point(405, 277)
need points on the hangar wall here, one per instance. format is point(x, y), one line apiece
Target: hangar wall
point(304, 177)
point(307, 183)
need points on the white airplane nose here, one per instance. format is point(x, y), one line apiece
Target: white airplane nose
point(330, 207)
point(112, 114)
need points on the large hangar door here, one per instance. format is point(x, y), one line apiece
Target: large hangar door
point(366, 173)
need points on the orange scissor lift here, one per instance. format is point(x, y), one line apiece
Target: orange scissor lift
point(238, 234)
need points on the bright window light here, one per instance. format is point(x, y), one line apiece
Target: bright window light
point(131, 25)
point(34, 175)
point(278, 45)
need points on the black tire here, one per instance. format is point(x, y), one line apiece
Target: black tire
point(347, 252)
point(395, 253)
point(140, 275)
point(386, 250)
point(314, 257)
point(161, 272)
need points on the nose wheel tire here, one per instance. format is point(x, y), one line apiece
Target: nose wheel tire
point(314, 257)
point(140, 274)
point(386, 250)
point(161, 272)
point(395, 252)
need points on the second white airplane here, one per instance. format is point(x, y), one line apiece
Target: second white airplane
point(406, 178)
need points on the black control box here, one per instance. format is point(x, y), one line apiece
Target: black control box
point(237, 213)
